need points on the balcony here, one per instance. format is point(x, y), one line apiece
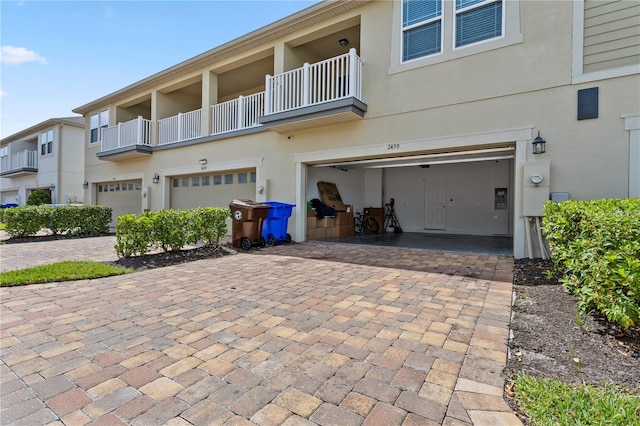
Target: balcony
point(181, 127)
point(19, 164)
point(125, 140)
point(326, 92)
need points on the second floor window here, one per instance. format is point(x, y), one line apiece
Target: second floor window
point(98, 122)
point(421, 28)
point(423, 24)
point(477, 20)
point(46, 142)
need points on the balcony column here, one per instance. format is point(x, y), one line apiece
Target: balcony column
point(240, 118)
point(267, 94)
point(139, 130)
point(209, 97)
point(306, 84)
point(353, 69)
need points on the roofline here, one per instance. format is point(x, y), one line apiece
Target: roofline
point(277, 29)
point(50, 122)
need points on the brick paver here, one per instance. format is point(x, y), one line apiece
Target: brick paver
point(313, 333)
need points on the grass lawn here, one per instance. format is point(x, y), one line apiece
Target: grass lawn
point(61, 271)
point(551, 402)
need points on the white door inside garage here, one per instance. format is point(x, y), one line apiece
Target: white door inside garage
point(212, 189)
point(124, 197)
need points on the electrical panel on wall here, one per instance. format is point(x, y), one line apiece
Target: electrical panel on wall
point(535, 188)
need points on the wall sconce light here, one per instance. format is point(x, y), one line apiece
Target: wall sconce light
point(52, 187)
point(85, 184)
point(343, 42)
point(538, 144)
point(203, 162)
point(156, 178)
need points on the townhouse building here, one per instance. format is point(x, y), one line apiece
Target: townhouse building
point(469, 114)
point(48, 156)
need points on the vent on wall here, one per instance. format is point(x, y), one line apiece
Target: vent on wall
point(588, 103)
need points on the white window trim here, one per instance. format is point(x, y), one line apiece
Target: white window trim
point(577, 61)
point(44, 141)
point(455, 14)
point(439, 18)
point(510, 27)
point(100, 125)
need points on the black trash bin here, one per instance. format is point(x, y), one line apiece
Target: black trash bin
point(247, 217)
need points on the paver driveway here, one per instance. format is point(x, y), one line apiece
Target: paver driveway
point(311, 333)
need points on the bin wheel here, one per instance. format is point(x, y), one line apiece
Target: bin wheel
point(272, 240)
point(288, 238)
point(245, 243)
point(263, 242)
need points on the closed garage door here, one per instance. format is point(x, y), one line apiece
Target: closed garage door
point(9, 197)
point(123, 197)
point(212, 189)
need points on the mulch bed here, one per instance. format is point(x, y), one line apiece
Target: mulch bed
point(549, 336)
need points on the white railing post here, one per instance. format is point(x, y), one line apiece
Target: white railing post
point(179, 120)
point(119, 130)
point(240, 118)
point(139, 132)
point(353, 66)
point(267, 94)
point(306, 83)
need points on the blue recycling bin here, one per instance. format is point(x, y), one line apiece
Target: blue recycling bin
point(274, 228)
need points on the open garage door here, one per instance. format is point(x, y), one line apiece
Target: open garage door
point(464, 192)
point(212, 189)
point(124, 197)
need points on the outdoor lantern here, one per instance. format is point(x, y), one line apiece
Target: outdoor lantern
point(52, 187)
point(203, 162)
point(538, 144)
point(85, 184)
point(156, 178)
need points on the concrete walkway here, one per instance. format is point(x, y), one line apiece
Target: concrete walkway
point(299, 334)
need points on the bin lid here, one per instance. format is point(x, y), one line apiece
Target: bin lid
point(249, 204)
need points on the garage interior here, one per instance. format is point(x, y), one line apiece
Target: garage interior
point(458, 201)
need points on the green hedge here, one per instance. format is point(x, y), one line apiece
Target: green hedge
point(169, 230)
point(26, 221)
point(595, 245)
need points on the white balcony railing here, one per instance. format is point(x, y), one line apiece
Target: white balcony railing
point(329, 80)
point(237, 114)
point(180, 127)
point(20, 160)
point(133, 132)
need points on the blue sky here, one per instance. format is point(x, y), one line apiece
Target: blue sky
point(59, 55)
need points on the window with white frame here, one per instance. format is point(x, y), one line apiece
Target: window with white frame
point(424, 25)
point(477, 20)
point(4, 151)
point(421, 28)
point(46, 142)
point(98, 122)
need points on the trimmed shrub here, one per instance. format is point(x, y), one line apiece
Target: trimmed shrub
point(39, 197)
point(169, 230)
point(70, 220)
point(595, 245)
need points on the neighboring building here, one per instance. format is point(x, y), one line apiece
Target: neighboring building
point(49, 156)
point(434, 104)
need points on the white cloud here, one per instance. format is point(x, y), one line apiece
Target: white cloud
point(12, 55)
point(2, 93)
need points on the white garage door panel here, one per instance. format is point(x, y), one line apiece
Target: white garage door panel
point(9, 197)
point(123, 197)
point(188, 192)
